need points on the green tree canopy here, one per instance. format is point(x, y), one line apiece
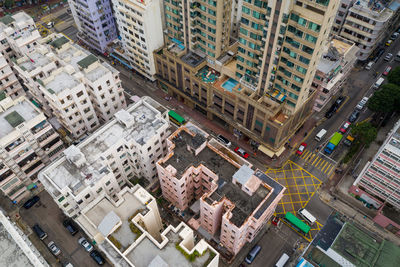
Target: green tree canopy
point(364, 132)
point(385, 100)
point(394, 76)
point(9, 3)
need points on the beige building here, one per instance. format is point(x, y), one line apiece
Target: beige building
point(366, 23)
point(259, 86)
point(18, 34)
point(9, 83)
point(129, 230)
point(71, 84)
point(121, 151)
point(232, 201)
point(27, 143)
point(333, 68)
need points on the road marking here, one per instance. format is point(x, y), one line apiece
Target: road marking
point(316, 160)
point(66, 36)
point(330, 169)
point(316, 165)
point(324, 166)
point(311, 158)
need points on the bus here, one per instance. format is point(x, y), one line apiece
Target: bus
point(297, 223)
point(176, 118)
point(307, 216)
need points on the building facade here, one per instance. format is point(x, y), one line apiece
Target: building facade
point(71, 84)
point(235, 202)
point(378, 182)
point(110, 224)
point(366, 23)
point(124, 149)
point(333, 69)
point(260, 86)
point(95, 22)
point(141, 30)
point(9, 83)
point(27, 143)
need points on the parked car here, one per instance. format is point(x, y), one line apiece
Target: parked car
point(354, 115)
point(388, 57)
point(224, 140)
point(394, 36)
point(39, 231)
point(389, 42)
point(53, 248)
point(50, 25)
point(85, 244)
point(241, 152)
point(362, 103)
point(380, 53)
point(70, 227)
point(387, 70)
point(345, 127)
point(301, 149)
point(97, 257)
point(339, 101)
point(30, 202)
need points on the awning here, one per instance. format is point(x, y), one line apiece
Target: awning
point(269, 152)
point(266, 151)
point(280, 151)
point(122, 61)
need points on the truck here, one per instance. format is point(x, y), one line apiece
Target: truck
point(333, 143)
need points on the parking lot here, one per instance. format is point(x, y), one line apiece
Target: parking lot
point(300, 188)
point(47, 214)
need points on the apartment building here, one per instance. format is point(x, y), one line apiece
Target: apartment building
point(124, 149)
point(9, 83)
point(234, 202)
point(130, 232)
point(333, 69)
point(95, 23)
point(80, 90)
point(260, 87)
point(378, 182)
point(366, 23)
point(27, 143)
point(140, 28)
point(18, 34)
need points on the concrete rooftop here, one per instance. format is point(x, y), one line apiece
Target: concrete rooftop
point(34, 61)
point(24, 109)
point(183, 159)
point(61, 81)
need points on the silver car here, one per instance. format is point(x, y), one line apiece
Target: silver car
point(53, 248)
point(85, 244)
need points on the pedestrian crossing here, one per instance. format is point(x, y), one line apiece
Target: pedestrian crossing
point(313, 159)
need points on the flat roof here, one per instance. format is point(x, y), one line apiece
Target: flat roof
point(146, 251)
point(192, 59)
point(245, 204)
point(34, 61)
point(7, 19)
point(87, 61)
point(60, 82)
point(15, 115)
point(144, 122)
point(59, 42)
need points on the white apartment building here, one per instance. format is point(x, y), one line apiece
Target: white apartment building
point(27, 143)
point(8, 81)
point(18, 34)
point(125, 148)
point(140, 27)
point(129, 231)
point(365, 22)
point(71, 84)
point(333, 69)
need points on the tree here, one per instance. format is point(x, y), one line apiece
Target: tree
point(364, 132)
point(394, 76)
point(385, 100)
point(9, 3)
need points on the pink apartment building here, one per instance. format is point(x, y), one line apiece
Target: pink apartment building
point(235, 201)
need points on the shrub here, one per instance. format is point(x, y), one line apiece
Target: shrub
point(190, 257)
point(210, 258)
point(135, 230)
point(116, 243)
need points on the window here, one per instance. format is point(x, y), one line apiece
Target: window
point(79, 94)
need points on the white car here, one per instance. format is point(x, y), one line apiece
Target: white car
point(53, 248)
point(85, 244)
point(362, 103)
